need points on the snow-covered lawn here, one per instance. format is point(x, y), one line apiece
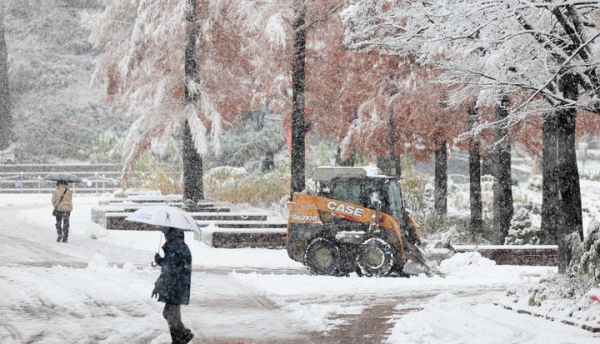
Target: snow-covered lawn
point(96, 289)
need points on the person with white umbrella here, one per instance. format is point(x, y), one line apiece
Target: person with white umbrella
point(173, 285)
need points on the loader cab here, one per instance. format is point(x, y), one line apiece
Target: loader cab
point(367, 187)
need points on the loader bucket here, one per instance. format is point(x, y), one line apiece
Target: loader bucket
point(417, 263)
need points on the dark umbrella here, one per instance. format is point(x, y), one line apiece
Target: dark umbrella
point(70, 178)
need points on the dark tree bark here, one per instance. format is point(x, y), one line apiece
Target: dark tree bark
point(503, 200)
point(6, 123)
point(193, 168)
point(394, 166)
point(475, 178)
point(551, 203)
point(298, 112)
point(352, 159)
point(348, 162)
point(570, 192)
point(441, 176)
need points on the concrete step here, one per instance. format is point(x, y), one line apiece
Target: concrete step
point(146, 199)
point(115, 220)
point(129, 208)
point(223, 220)
point(542, 255)
point(244, 238)
point(243, 224)
point(114, 215)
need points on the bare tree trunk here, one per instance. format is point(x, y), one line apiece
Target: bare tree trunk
point(503, 201)
point(348, 162)
point(193, 168)
point(352, 159)
point(475, 179)
point(298, 89)
point(551, 203)
point(441, 177)
point(394, 167)
point(570, 192)
point(6, 123)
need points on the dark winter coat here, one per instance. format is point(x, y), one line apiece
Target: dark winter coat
point(173, 284)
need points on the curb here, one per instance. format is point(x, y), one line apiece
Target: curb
point(593, 329)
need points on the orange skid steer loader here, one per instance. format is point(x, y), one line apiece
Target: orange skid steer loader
point(354, 221)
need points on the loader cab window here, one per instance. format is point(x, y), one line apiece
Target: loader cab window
point(323, 189)
point(360, 191)
point(395, 199)
point(347, 190)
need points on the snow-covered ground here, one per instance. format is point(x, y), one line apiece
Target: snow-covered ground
point(96, 289)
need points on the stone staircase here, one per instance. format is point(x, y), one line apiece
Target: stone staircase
point(220, 227)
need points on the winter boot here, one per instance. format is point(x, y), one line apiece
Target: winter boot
point(59, 232)
point(187, 337)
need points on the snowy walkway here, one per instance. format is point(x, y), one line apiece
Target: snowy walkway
point(96, 289)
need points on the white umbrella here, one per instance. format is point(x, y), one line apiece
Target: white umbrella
point(164, 215)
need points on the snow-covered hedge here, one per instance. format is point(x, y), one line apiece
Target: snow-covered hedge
point(590, 260)
point(522, 231)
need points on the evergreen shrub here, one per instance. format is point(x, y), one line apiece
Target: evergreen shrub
point(590, 259)
point(522, 231)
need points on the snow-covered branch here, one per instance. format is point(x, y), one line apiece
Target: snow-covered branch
point(485, 47)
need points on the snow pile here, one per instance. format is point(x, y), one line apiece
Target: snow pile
point(570, 300)
point(465, 263)
point(98, 262)
point(444, 319)
point(452, 318)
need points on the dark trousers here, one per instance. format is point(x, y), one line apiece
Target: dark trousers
point(62, 225)
point(172, 313)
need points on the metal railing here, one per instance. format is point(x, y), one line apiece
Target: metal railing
point(99, 178)
point(589, 173)
point(33, 182)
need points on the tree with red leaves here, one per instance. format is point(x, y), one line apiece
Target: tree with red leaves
point(171, 64)
point(291, 30)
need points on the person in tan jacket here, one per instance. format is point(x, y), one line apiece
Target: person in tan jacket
point(62, 200)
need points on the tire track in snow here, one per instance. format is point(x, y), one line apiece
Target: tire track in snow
point(9, 333)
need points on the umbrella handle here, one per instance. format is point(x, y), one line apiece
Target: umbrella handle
point(153, 264)
point(159, 244)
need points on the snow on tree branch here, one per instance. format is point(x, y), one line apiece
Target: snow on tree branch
point(487, 48)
